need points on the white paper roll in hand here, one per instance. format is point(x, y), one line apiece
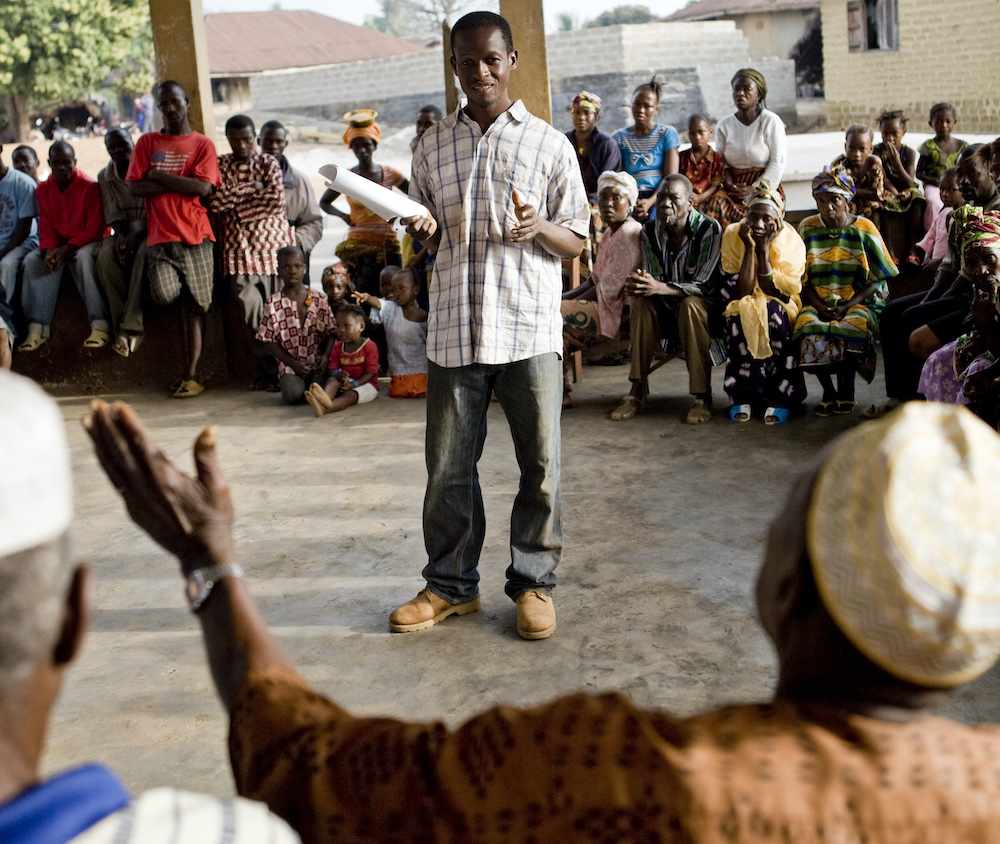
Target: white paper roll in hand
point(379, 200)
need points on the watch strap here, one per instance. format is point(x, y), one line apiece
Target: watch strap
point(200, 582)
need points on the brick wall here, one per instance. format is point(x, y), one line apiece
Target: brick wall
point(610, 61)
point(940, 58)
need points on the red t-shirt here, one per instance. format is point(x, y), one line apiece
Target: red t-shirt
point(356, 363)
point(173, 217)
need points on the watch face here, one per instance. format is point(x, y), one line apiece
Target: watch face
point(195, 588)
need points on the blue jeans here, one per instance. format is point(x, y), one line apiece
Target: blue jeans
point(458, 398)
point(40, 289)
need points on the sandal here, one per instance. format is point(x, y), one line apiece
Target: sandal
point(628, 409)
point(31, 342)
point(188, 389)
point(741, 413)
point(776, 415)
point(877, 411)
point(845, 407)
point(700, 413)
point(824, 409)
point(97, 340)
point(125, 344)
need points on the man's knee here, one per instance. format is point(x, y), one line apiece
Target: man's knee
point(924, 342)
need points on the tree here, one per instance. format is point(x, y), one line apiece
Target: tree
point(622, 15)
point(55, 49)
point(416, 18)
point(567, 21)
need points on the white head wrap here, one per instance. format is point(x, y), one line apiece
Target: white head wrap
point(903, 534)
point(610, 178)
point(36, 495)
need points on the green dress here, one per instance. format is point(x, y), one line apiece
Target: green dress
point(839, 263)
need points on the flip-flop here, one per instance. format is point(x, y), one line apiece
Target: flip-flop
point(700, 413)
point(189, 389)
point(31, 342)
point(628, 409)
point(741, 413)
point(824, 409)
point(126, 344)
point(776, 415)
point(96, 340)
point(845, 408)
point(877, 411)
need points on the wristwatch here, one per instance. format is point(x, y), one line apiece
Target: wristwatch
point(200, 582)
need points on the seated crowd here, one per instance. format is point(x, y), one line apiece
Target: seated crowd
point(688, 254)
point(878, 589)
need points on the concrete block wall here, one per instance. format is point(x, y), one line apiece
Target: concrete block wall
point(693, 60)
point(940, 58)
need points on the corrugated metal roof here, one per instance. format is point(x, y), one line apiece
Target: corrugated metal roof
point(704, 10)
point(249, 42)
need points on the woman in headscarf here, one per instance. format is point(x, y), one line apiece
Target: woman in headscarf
point(843, 292)
point(753, 143)
point(596, 153)
point(763, 260)
point(595, 312)
point(370, 244)
point(967, 370)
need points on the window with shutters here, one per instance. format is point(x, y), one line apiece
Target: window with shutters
point(872, 25)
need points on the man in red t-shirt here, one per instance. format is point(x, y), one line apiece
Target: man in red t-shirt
point(174, 170)
point(70, 229)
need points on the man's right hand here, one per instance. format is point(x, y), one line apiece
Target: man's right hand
point(641, 283)
point(421, 227)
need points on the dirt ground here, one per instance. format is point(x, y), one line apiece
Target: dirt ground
point(664, 528)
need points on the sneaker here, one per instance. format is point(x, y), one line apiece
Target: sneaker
point(536, 615)
point(426, 610)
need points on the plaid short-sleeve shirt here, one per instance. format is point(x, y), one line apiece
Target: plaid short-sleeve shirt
point(494, 301)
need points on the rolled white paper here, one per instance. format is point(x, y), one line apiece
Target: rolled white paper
point(377, 199)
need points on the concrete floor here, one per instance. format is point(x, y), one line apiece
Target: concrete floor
point(664, 527)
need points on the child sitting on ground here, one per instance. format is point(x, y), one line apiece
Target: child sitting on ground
point(903, 209)
point(353, 375)
point(405, 325)
point(296, 328)
point(937, 155)
point(706, 169)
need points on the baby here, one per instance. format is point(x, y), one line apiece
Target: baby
point(353, 375)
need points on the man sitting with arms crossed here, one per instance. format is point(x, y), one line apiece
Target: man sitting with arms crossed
point(879, 590)
point(676, 299)
point(44, 612)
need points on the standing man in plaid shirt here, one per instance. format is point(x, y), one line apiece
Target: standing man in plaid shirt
point(507, 204)
point(174, 170)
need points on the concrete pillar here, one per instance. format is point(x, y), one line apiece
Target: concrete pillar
point(182, 55)
point(530, 81)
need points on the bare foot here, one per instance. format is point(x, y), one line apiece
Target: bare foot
point(313, 402)
point(320, 395)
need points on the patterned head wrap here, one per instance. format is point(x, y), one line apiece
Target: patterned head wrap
point(758, 80)
point(976, 227)
point(610, 178)
point(836, 180)
point(585, 98)
point(762, 194)
point(371, 131)
point(902, 533)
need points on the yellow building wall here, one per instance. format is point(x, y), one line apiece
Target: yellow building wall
point(948, 51)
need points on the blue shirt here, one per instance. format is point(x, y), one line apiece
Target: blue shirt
point(63, 807)
point(642, 158)
point(17, 201)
